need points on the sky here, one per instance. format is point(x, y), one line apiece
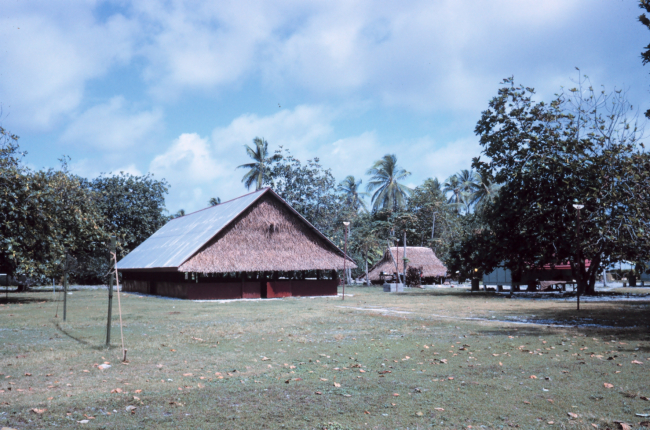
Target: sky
point(177, 88)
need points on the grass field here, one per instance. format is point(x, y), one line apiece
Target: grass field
point(440, 358)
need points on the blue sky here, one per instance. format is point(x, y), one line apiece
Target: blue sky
point(177, 88)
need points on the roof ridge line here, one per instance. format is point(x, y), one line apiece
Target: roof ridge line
point(228, 201)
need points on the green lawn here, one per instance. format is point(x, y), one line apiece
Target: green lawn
point(429, 358)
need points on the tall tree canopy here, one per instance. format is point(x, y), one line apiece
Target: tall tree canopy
point(580, 148)
point(308, 188)
point(385, 176)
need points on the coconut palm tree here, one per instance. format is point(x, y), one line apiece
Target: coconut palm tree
point(261, 160)
point(452, 185)
point(350, 188)
point(469, 182)
point(485, 194)
point(214, 201)
point(385, 174)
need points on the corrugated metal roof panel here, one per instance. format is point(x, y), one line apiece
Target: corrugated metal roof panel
point(180, 238)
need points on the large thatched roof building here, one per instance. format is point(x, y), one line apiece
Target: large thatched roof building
point(417, 256)
point(254, 246)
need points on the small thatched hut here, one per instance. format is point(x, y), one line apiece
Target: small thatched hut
point(255, 246)
point(417, 256)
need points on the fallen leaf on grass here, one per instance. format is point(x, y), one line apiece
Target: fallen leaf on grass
point(337, 385)
point(526, 402)
point(187, 374)
point(551, 400)
point(266, 359)
point(366, 412)
point(131, 409)
point(644, 398)
point(137, 391)
point(439, 409)
point(323, 379)
point(637, 362)
point(83, 422)
point(623, 426)
point(606, 385)
point(533, 377)
point(104, 366)
point(419, 414)
point(116, 390)
point(395, 395)
point(572, 415)
point(29, 374)
point(319, 393)
point(50, 398)
point(39, 411)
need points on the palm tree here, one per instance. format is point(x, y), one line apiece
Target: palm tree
point(259, 168)
point(350, 188)
point(385, 174)
point(485, 194)
point(452, 185)
point(469, 182)
point(214, 201)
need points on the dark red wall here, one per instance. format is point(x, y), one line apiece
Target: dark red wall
point(275, 289)
point(252, 290)
point(314, 288)
point(231, 290)
point(216, 291)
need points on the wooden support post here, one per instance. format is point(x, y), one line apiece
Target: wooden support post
point(110, 310)
point(112, 249)
point(65, 290)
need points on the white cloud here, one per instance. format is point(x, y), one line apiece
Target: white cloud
point(50, 51)
point(442, 162)
point(113, 127)
point(190, 167)
point(294, 129)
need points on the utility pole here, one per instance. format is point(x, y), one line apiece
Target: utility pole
point(404, 258)
point(112, 250)
point(345, 257)
point(579, 263)
point(433, 226)
point(65, 286)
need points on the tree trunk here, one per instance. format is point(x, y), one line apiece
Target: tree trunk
point(594, 269)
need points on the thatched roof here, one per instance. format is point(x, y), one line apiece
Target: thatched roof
point(417, 257)
point(256, 232)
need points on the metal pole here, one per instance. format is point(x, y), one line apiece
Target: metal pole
point(579, 260)
point(345, 258)
point(65, 287)
point(404, 259)
point(112, 249)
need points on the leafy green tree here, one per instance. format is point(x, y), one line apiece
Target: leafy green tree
point(258, 170)
point(45, 215)
point(309, 189)
point(580, 148)
point(385, 176)
point(353, 197)
point(132, 208)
